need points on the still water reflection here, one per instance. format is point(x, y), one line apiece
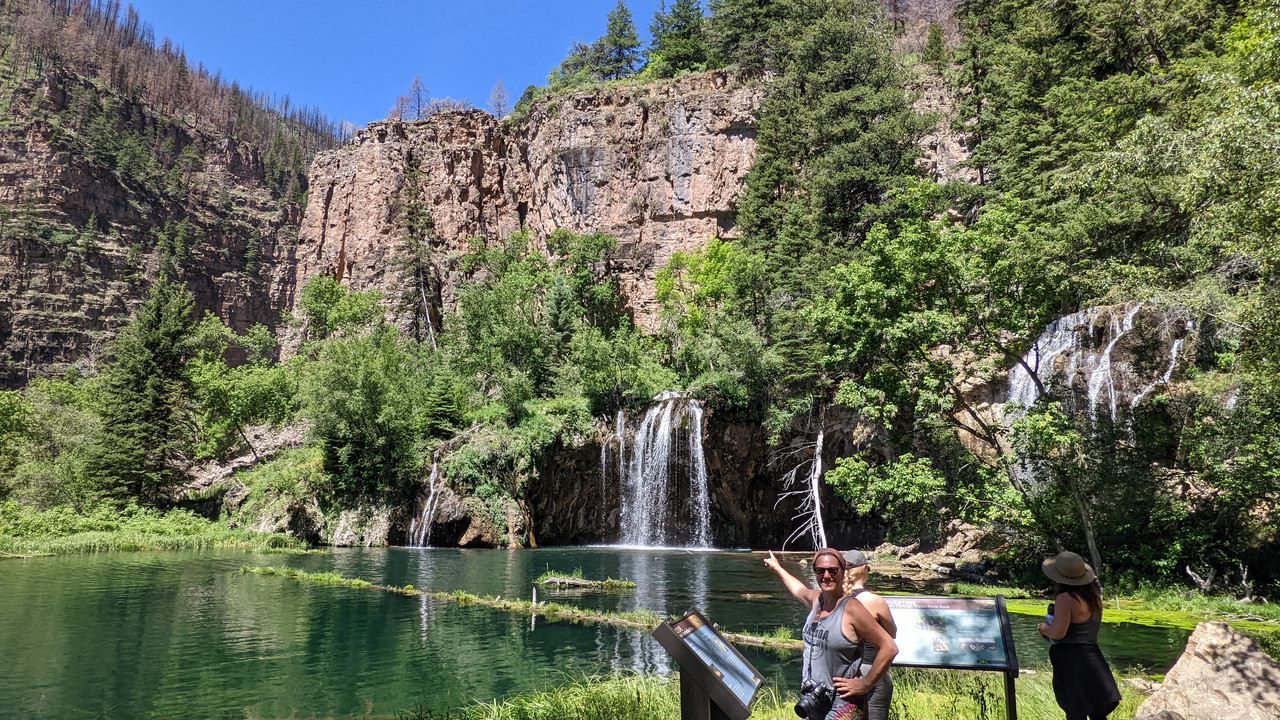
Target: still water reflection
point(125, 635)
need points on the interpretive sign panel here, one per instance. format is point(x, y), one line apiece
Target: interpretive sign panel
point(950, 632)
point(711, 662)
point(959, 633)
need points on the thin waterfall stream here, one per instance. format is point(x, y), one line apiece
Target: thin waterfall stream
point(420, 526)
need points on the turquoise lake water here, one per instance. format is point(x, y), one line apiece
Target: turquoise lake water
point(186, 634)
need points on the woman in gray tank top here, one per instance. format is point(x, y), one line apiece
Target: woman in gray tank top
point(831, 658)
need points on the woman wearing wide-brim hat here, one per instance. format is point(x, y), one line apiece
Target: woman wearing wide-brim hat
point(1082, 680)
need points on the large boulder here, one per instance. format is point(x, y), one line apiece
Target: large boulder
point(1222, 675)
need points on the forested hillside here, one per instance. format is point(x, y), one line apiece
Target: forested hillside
point(121, 159)
point(1124, 161)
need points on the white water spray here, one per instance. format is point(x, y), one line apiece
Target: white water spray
point(665, 499)
point(1102, 375)
point(1163, 379)
point(420, 527)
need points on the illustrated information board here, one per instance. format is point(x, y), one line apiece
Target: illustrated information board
point(952, 632)
point(720, 658)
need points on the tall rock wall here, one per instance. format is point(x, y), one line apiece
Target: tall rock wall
point(658, 166)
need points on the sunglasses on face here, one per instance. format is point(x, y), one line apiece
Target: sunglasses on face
point(820, 571)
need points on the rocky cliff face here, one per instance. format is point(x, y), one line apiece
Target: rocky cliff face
point(657, 166)
point(79, 235)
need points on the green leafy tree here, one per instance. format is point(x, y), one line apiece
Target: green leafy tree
point(906, 489)
point(145, 393)
point(362, 393)
point(228, 399)
point(328, 307)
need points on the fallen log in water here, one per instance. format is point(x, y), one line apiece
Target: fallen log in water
point(640, 619)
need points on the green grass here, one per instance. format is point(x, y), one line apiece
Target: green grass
point(918, 695)
point(1159, 607)
point(641, 618)
point(25, 532)
point(324, 578)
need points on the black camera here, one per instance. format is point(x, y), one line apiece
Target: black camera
point(815, 700)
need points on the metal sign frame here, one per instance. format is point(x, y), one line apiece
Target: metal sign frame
point(704, 695)
point(1009, 669)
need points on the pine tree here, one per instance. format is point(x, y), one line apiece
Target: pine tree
point(144, 392)
point(620, 46)
point(679, 41)
point(746, 33)
point(935, 49)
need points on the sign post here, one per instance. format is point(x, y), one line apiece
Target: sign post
point(959, 634)
point(716, 681)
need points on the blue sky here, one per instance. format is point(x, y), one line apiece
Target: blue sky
point(351, 59)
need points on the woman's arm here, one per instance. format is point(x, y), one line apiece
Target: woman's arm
point(886, 650)
point(1063, 606)
point(799, 590)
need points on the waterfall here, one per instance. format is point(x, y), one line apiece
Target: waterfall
point(1163, 379)
point(1060, 336)
point(420, 527)
point(1065, 335)
point(1102, 374)
point(665, 500)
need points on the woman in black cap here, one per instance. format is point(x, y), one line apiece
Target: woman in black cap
point(1082, 680)
point(855, 585)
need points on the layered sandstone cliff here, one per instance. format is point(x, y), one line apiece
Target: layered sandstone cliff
point(658, 166)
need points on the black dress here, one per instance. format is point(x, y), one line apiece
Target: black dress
point(1082, 680)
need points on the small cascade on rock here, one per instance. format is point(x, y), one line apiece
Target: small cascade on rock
point(665, 500)
point(1061, 335)
point(420, 527)
point(1102, 375)
point(1092, 369)
point(1163, 379)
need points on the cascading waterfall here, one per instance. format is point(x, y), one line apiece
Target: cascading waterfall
point(420, 527)
point(1102, 375)
point(1060, 335)
point(1065, 335)
point(1163, 379)
point(665, 500)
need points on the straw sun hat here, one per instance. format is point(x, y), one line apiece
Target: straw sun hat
point(1068, 568)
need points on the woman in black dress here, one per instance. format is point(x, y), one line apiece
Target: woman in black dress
point(1082, 680)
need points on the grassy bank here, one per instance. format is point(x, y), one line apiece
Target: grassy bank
point(1157, 607)
point(576, 579)
point(918, 695)
point(25, 532)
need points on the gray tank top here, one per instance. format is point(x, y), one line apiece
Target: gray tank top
point(827, 652)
